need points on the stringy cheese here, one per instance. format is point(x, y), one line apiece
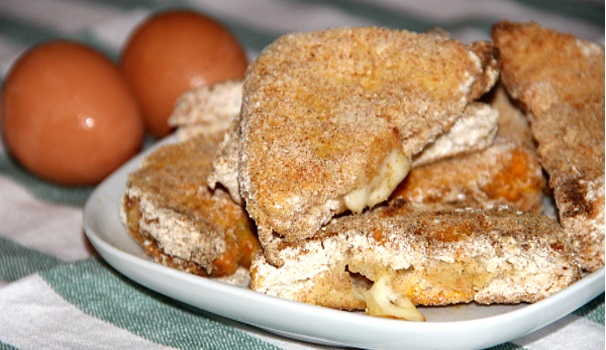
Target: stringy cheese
point(383, 301)
point(394, 169)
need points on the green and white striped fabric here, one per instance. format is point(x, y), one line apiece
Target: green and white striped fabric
point(56, 293)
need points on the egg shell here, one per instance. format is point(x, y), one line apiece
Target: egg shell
point(172, 52)
point(68, 114)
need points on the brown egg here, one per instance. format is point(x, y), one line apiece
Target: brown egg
point(172, 52)
point(68, 114)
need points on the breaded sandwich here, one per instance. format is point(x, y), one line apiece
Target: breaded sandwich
point(332, 119)
point(179, 222)
point(559, 79)
point(407, 255)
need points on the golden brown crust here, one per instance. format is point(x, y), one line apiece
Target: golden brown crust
point(506, 173)
point(322, 110)
point(560, 80)
point(170, 211)
point(542, 67)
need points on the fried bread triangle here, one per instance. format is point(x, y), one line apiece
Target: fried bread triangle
point(331, 119)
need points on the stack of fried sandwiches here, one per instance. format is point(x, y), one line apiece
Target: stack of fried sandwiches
point(379, 170)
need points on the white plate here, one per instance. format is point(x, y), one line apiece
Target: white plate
point(453, 327)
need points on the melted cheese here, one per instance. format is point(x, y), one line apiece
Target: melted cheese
point(394, 169)
point(383, 301)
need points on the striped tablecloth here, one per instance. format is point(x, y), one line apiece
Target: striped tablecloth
point(55, 292)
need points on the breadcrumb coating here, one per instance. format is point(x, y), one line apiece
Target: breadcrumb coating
point(560, 81)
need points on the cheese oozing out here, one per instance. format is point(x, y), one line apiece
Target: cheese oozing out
point(383, 301)
point(394, 169)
